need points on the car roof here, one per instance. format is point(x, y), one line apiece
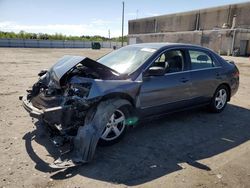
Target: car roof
point(166, 44)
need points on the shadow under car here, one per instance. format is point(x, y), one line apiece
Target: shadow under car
point(156, 147)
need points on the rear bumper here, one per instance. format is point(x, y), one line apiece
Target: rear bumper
point(234, 86)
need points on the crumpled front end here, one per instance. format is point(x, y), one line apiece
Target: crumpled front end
point(59, 100)
point(62, 112)
point(63, 95)
point(60, 103)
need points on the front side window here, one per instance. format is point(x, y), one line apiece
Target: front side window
point(200, 60)
point(172, 61)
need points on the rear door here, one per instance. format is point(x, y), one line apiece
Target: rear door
point(205, 75)
point(169, 91)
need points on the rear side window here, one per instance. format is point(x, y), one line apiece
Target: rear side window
point(200, 60)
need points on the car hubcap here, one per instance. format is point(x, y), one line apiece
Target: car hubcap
point(221, 99)
point(114, 127)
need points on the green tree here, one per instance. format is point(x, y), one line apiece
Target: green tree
point(57, 36)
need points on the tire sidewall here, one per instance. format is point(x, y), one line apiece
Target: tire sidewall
point(125, 110)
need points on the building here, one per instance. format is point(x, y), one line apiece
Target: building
point(225, 29)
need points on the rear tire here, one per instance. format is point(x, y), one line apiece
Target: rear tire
point(219, 100)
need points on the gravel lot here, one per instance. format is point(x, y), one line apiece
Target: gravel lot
point(187, 149)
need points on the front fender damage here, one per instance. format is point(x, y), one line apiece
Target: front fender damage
point(85, 142)
point(98, 112)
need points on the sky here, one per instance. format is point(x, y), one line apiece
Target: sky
point(88, 17)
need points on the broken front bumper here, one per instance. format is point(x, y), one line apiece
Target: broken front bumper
point(52, 115)
point(33, 111)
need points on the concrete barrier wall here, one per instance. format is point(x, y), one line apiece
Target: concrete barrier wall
point(32, 43)
point(218, 40)
point(205, 19)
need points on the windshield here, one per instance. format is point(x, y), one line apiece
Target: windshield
point(127, 59)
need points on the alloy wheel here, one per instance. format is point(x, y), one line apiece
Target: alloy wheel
point(221, 99)
point(115, 126)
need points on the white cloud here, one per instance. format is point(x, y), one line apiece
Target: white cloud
point(96, 27)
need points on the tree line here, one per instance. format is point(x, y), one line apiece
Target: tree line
point(56, 36)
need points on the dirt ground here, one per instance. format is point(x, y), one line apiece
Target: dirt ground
point(187, 149)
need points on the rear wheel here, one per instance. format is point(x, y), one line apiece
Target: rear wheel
point(219, 100)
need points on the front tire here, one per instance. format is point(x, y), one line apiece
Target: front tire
point(219, 100)
point(116, 127)
point(113, 115)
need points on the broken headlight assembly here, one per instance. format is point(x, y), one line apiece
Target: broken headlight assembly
point(80, 90)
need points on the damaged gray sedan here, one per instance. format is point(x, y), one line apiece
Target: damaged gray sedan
point(86, 102)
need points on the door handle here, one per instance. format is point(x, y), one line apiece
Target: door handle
point(184, 80)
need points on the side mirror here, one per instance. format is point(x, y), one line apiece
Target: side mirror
point(155, 71)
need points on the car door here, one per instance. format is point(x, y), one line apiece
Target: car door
point(205, 75)
point(168, 91)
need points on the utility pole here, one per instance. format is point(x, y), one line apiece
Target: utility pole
point(122, 21)
point(109, 39)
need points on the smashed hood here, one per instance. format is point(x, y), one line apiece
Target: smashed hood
point(64, 65)
point(67, 64)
